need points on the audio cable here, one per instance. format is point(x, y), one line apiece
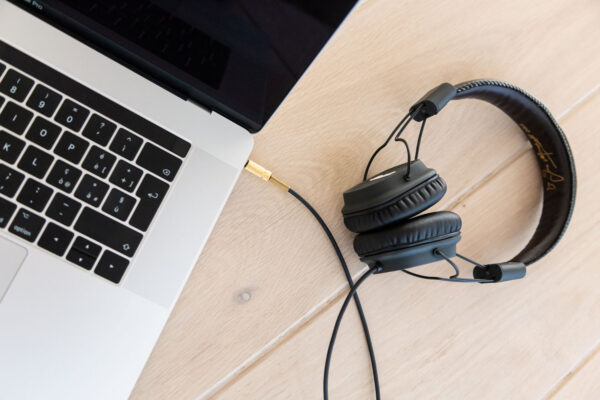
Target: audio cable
point(336, 327)
point(267, 176)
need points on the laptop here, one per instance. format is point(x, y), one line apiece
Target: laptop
point(123, 128)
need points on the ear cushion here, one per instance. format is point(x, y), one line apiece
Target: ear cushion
point(420, 230)
point(404, 206)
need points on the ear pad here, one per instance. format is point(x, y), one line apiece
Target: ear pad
point(388, 197)
point(425, 228)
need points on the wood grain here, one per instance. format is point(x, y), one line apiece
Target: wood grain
point(583, 382)
point(267, 269)
point(433, 340)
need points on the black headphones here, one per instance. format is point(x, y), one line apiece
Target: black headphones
point(383, 209)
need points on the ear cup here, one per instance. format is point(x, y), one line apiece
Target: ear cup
point(401, 208)
point(402, 199)
point(420, 230)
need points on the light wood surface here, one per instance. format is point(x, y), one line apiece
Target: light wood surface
point(255, 317)
point(583, 382)
point(509, 341)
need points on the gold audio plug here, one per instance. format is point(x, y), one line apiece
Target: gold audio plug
point(265, 174)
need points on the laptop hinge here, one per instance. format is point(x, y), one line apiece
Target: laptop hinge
point(197, 104)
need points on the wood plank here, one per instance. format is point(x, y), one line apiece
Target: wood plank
point(267, 263)
point(434, 340)
point(583, 382)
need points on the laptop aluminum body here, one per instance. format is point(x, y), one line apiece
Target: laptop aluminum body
point(65, 332)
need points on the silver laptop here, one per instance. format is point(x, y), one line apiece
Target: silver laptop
point(123, 128)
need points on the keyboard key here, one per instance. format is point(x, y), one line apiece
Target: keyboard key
point(111, 266)
point(126, 144)
point(119, 204)
point(16, 85)
point(151, 193)
point(159, 162)
point(44, 100)
point(99, 161)
point(43, 132)
point(81, 259)
point(63, 176)
point(108, 232)
point(84, 253)
point(77, 91)
point(71, 147)
point(85, 246)
point(27, 225)
point(10, 180)
point(71, 115)
point(36, 162)
point(91, 190)
point(2, 68)
point(63, 209)
point(1, 101)
point(15, 118)
point(55, 239)
point(126, 176)
point(34, 195)
point(7, 209)
point(10, 147)
point(99, 129)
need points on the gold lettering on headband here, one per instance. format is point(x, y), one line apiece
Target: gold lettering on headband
point(550, 174)
point(551, 178)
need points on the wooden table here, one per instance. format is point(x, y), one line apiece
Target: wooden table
point(255, 318)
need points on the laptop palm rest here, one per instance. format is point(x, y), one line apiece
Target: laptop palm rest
point(11, 257)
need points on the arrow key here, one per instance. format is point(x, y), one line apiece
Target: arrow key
point(81, 259)
point(85, 246)
point(111, 266)
point(55, 239)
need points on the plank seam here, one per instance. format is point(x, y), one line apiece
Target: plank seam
point(297, 326)
point(562, 382)
point(586, 359)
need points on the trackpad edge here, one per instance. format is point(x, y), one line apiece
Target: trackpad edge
point(12, 256)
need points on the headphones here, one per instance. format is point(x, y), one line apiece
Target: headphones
point(384, 209)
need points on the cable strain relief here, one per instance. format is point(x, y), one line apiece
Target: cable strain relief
point(500, 272)
point(433, 102)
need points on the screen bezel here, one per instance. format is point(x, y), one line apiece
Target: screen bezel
point(148, 70)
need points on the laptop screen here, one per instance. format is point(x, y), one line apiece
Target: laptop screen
point(239, 57)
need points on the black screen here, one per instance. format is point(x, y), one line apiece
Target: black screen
point(239, 57)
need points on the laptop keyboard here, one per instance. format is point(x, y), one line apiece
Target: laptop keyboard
point(80, 176)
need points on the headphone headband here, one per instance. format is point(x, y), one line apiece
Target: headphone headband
point(549, 144)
